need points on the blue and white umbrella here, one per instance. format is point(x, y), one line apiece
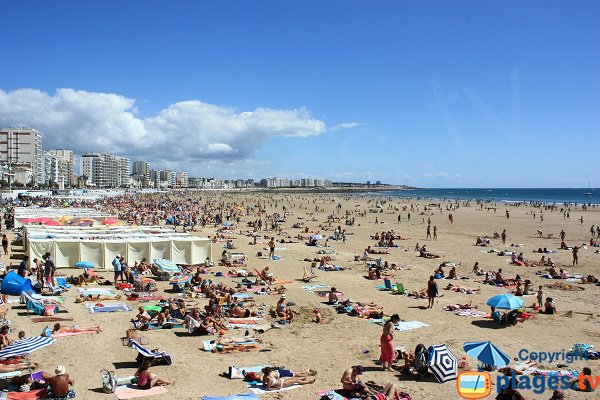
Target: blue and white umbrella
point(487, 353)
point(505, 301)
point(26, 346)
point(84, 264)
point(443, 363)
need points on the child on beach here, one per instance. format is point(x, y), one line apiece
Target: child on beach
point(540, 296)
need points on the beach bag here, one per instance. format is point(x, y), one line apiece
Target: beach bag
point(109, 381)
point(46, 332)
point(235, 373)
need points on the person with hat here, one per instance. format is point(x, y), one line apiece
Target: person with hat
point(352, 387)
point(60, 384)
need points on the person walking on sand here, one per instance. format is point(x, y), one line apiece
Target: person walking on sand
point(428, 232)
point(432, 291)
point(575, 256)
point(5, 244)
point(388, 353)
point(503, 236)
point(272, 248)
point(434, 232)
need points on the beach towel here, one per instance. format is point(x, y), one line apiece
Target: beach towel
point(168, 325)
point(133, 392)
point(107, 307)
point(310, 288)
point(50, 319)
point(94, 291)
point(145, 297)
point(31, 395)
point(246, 321)
point(400, 326)
point(331, 394)
point(246, 396)
point(64, 334)
point(262, 389)
point(472, 313)
point(242, 296)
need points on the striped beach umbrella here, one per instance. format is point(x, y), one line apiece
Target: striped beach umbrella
point(180, 280)
point(25, 346)
point(442, 363)
point(487, 353)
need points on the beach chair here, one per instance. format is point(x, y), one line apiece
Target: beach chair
point(309, 274)
point(398, 288)
point(39, 306)
point(154, 357)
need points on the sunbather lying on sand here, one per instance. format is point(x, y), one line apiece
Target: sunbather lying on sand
point(95, 297)
point(454, 307)
point(279, 378)
point(238, 311)
point(519, 368)
point(76, 329)
point(461, 289)
point(17, 367)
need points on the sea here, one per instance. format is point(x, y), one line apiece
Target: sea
point(520, 195)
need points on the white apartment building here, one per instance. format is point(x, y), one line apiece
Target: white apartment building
point(182, 179)
point(66, 165)
point(141, 173)
point(22, 147)
point(105, 170)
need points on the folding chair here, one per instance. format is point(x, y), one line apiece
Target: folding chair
point(38, 307)
point(309, 274)
point(154, 357)
point(398, 289)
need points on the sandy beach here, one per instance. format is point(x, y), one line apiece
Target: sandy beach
point(341, 341)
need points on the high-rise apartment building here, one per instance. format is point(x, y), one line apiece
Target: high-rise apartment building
point(182, 179)
point(141, 173)
point(105, 170)
point(66, 165)
point(21, 150)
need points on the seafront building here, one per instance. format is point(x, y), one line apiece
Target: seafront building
point(21, 153)
point(105, 170)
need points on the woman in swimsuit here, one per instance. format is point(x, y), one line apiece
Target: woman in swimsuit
point(147, 380)
point(390, 392)
point(286, 379)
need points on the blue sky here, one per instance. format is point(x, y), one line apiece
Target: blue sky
point(433, 94)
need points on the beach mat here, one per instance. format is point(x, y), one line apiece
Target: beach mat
point(401, 326)
point(95, 291)
point(107, 307)
point(31, 395)
point(133, 392)
point(50, 319)
point(331, 395)
point(246, 396)
point(65, 334)
point(262, 389)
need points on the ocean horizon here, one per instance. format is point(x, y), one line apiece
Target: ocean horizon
point(537, 195)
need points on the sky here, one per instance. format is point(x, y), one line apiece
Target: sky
point(427, 93)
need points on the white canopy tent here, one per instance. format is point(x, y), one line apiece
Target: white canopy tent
point(67, 252)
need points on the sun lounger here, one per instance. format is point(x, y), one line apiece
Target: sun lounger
point(154, 357)
point(39, 306)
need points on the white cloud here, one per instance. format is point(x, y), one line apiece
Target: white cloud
point(182, 133)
